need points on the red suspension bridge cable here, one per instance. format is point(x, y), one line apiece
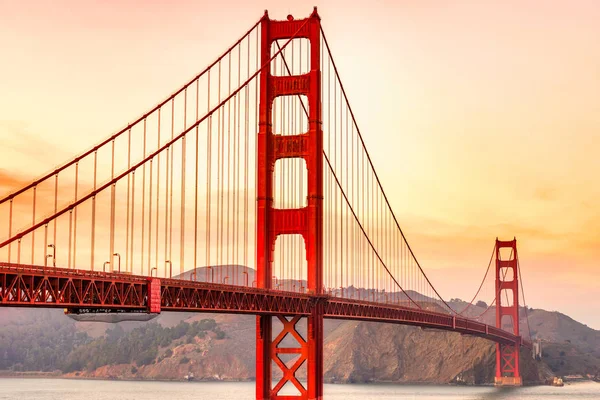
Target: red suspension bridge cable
point(498, 292)
point(377, 177)
point(150, 156)
point(482, 282)
point(524, 302)
point(345, 197)
point(122, 131)
point(365, 233)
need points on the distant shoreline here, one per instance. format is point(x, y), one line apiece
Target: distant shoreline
point(58, 375)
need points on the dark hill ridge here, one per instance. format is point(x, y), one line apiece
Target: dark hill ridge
point(175, 344)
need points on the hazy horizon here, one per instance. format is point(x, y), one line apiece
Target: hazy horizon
point(482, 118)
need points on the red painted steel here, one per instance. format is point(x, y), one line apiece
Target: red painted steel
point(154, 295)
point(29, 286)
point(307, 221)
point(87, 291)
point(84, 291)
point(507, 354)
point(347, 309)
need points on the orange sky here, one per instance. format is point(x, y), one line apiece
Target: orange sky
point(483, 117)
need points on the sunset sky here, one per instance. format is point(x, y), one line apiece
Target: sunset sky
point(482, 117)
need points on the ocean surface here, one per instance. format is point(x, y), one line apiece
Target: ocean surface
point(65, 389)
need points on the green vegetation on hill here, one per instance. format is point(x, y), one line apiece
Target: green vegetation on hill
point(222, 347)
point(38, 344)
point(48, 343)
point(140, 346)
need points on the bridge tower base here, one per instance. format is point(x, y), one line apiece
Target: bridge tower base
point(271, 350)
point(507, 356)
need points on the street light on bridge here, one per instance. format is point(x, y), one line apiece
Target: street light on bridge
point(104, 265)
point(170, 268)
point(245, 277)
point(53, 255)
point(119, 256)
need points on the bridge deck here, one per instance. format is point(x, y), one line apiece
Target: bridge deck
point(92, 291)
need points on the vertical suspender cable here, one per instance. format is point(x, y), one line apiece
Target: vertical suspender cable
point(228, 163)
point(183, 147)
point(170, 203)
point(208, 182)
point(219, 220)
point(143, 202)
point(93, 236)
point(195, 266)
point(55, 210)
point(70, 238)
point(127, 256)
point(236, 158)
point(10, 217)
point(246, 153)
point(112, 207)
point(151, 167)
point(131, 241)
point(33, 223)
point(346, 231)
point(157, 198)
point(169, 152)
point(75, 216)
point(334, 205)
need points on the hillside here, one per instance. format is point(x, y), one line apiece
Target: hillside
point(221, 347)
point(569, 347)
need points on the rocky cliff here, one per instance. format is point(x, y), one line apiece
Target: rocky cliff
point(224, 349)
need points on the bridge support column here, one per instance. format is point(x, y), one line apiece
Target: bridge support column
point(507, 356)
point(315, 353)
point(271, 351)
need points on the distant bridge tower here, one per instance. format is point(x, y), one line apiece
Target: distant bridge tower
point(306, 221)
point(507, 356)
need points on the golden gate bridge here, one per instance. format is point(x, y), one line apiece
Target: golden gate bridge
point(266, 134)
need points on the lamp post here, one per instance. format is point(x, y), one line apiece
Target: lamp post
point(104, 265)
point(225, 280)
point(170, 268)
point(253, 283)
point(152, 271)
point(212, 274)
point(119, 257)
point(53, 255)
point(245, 277)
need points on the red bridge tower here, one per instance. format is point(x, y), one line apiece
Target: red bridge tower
point(507, 356)
point(306, 221)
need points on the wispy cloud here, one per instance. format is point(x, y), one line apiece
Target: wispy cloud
point(10, 181)
point(17, 138)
